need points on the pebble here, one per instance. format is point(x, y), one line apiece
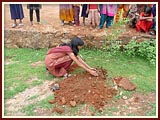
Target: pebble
point(124, 97)
point(73, 103)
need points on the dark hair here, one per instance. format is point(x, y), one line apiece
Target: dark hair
point(74, 43)
point(148, 10)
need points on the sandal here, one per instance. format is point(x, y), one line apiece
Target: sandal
point(67, 75)
point(54, 87)
point(20, 24)
point(14, 25)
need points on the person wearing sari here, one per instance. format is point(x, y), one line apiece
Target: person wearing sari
point(59, 59)
point(66, 13)
point(145, 22)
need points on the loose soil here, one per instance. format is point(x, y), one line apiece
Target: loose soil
point(84, 88)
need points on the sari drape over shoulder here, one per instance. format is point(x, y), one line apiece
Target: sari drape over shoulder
point(58, 61)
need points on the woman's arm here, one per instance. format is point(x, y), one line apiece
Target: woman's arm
point(77, 61)
point(84, 63)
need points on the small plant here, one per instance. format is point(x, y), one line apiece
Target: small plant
point(145, 49)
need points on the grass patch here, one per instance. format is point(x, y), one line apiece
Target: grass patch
point(152, 112)
point(139, 70)
point(17, 74)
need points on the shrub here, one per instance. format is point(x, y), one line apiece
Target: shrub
point(145, 49)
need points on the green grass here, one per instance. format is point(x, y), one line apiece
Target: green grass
point(141, 72)
point(17, 74)
point(153, 111)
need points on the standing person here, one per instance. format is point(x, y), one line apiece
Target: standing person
point(111, 12)
point(103, 15)
point(76, 14)
point(93, 10)
point(83, 13)
point(16, 11)
point(35, 7)
point(59, 59)
point(145, 22)
point(66, 13)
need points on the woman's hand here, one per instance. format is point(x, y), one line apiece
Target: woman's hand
point(93, 69)
point(93, 72)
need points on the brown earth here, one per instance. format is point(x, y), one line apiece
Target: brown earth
point(83, 85)
point(81, 88)
point(84, 88)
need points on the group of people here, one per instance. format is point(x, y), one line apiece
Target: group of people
point(59, 59)
point(141, 16)
point(16, 11)
point(98, 14)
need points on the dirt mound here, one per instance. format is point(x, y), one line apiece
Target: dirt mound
point(84, 88)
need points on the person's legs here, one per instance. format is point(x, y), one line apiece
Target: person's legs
point(109, 21)
point(62, 22)
point(31, 16)
point(38, 15)
point(20, 23)
point(91, 18)
point(14, 23)
point(76, 15)
point(84, 21)
point(96, 18)
point(102, 21)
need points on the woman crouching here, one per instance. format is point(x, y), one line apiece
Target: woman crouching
point(59, 59)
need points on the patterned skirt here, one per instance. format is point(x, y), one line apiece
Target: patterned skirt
point(66, 12)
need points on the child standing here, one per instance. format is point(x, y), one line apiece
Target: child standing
point(35, 7)
point(84, 14)
point(76, 14)
point(93, 11)
point(16, 11)
point(111, 12)
point(103, 17)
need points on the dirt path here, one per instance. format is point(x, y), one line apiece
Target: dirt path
point(27, 97)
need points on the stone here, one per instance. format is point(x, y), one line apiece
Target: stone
point(73, 103)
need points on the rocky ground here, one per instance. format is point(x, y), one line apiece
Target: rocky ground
point(78, 89)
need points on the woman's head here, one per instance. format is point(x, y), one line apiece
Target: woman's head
point(147, 11)
point(75, 42)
